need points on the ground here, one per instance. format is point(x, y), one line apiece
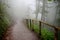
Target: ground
point(20, 32)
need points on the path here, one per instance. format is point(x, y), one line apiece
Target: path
point(20, 32)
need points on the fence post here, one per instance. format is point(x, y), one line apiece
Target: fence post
point(30, 23)
point(56, 34)
point(27, 22)
point(39, 29)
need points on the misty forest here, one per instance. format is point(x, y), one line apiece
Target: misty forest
point(29, 19)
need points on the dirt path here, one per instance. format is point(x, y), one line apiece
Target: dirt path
point(20, 32)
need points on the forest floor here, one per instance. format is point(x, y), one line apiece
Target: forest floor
point(19, 31)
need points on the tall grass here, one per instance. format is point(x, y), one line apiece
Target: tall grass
point(45, 33)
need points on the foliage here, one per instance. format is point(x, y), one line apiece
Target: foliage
point(36, 28)
point(4, 21)
point(45, 33)
point(49, 0)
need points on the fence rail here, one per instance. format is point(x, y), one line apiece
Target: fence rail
point(55, 28)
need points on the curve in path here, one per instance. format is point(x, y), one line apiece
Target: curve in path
point(20, 32)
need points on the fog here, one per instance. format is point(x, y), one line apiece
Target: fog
point(18, 9)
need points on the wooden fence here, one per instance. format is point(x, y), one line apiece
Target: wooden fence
point(49, 25)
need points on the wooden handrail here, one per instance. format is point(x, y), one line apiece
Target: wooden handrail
point(58, 28)
point(48, 24)
point(55, 28)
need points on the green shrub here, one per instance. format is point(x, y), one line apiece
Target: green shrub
point(45, 33)
point(36, 28)
point(49, 0)
point(3, 20)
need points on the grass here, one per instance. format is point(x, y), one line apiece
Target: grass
point(3, 27)
point(4, 21)
point(45, 33)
